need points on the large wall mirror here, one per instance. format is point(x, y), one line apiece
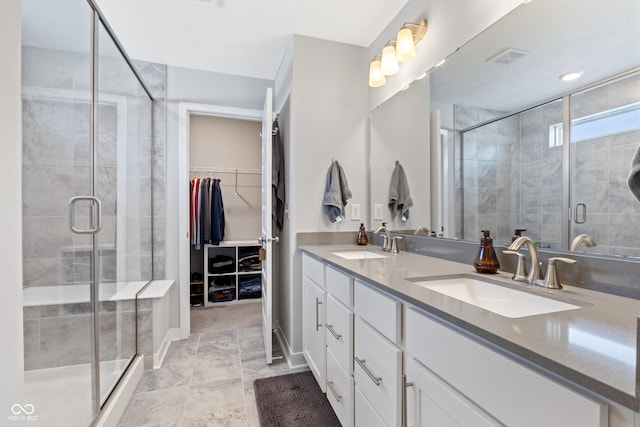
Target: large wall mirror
point(512, 146)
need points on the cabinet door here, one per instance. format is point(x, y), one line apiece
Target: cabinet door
point(377, 372)
point(365, 416)
point(313, 335)
point(339, 334)
point(430, 402)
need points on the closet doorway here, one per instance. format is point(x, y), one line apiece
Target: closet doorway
point(224, 145)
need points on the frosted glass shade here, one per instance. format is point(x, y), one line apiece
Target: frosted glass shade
point(405, 47)
point(389, 63)
point(376, 77)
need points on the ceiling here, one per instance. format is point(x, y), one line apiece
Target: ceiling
point(599, 37)
point(241, 37)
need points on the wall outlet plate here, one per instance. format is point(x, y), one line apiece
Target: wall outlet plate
point(355, 212)
point(377, 212)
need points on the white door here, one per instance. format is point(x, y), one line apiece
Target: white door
point(266, 239)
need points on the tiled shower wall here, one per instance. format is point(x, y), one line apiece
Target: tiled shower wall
point(513, 178)
point(55, 167)
point(600, 168)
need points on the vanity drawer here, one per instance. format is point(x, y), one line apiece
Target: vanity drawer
point(340, 285)
point(377, 372)
point(339, 390)
point(339, 334)
point(313, 269)
point(379, 310)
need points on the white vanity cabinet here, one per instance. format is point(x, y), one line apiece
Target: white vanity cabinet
point(459, 376)
point(377, 356)
point(339, 336)
point(313, 316)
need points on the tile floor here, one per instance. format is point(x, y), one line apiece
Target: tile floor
point(207, 380)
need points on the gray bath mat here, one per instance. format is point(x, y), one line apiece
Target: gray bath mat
point(293, 400)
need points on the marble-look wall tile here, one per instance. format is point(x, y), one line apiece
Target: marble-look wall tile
point(31, 334)
point(487, 174)
point(65, 341)
point(487, 200)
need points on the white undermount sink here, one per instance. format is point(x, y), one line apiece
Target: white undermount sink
point(498, 299)
point(359, 254)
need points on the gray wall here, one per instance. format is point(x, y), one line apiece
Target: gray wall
point(11, 358)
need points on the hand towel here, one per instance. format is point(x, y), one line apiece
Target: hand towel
point(399, 194)
point(336, 193)
point(634, 176)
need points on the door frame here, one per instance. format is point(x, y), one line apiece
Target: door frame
point(185, 110)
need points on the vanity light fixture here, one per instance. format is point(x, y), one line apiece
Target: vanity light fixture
point(376, 76)
point(408, 36)
point(400, 50)
point(574, 75)
point(389, 64)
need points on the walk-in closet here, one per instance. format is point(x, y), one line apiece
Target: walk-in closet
point(225, 211)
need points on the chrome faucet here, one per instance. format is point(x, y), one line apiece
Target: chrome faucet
point(386, 243)
point(421, 228)
point(534, 271)
point(584, 239)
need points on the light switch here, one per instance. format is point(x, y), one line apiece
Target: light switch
point(355, 212)
point(377, 212)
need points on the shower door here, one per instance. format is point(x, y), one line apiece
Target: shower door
point(605, 132)
point(87, 222)
point(60, 215)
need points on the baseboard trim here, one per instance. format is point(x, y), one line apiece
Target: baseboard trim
point(172, 334)
point(119, 399)
point(294, 360)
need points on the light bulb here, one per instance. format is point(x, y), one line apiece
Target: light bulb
point(405, 47)
point(389, 63)
point(376, 77)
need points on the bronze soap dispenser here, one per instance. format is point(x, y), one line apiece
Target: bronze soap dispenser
point(486, 261)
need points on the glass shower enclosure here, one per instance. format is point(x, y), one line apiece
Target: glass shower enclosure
point(87, 217)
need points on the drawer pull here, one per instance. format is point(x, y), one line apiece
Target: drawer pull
point(333, 332)
point(361, 362)
point(333, 391)
point(405, 385)
point(318, 324)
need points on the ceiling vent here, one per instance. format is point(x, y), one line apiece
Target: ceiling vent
point(507, 56)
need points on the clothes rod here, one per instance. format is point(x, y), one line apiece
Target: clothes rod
point(225, 170)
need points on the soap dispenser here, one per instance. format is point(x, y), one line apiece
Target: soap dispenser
point(362, 236)
point(486, 261)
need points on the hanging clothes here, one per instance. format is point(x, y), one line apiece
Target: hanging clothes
point(277, 177)
point(206, 212)
point(217, 214)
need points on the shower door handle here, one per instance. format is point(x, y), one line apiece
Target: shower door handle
point(583, 208)
point(96, 215)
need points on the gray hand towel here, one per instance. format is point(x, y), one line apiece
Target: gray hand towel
point(336, 193)
point(634, 176)
point(399, 194)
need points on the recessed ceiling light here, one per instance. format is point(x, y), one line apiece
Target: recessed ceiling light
point(567, 77)
point(422, 76)
point(441, 62)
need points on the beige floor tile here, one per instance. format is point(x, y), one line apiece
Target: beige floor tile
point(155, 407)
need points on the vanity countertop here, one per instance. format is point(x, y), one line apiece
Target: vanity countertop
point(594, 346)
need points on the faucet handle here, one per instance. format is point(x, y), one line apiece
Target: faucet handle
point(551, 280)
point(520, 275)
point(394, 244)
point(385, 242)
